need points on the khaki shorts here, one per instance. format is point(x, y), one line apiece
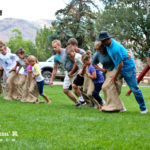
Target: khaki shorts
point(66, 83)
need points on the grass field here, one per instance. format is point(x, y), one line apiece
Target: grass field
point(61, 126)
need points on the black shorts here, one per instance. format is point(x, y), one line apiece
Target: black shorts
point(78, 80)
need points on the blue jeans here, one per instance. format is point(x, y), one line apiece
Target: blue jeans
point(40, 87)
point(97, 89)
point(130, 78)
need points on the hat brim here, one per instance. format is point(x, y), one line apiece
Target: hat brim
point(102, 39)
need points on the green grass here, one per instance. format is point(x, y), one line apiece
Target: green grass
point(61, 126)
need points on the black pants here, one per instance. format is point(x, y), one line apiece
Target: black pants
point(97, 89)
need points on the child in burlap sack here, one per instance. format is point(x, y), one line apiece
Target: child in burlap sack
point(1, 69)
point(8, 61)
point(37, 76)
point(26, 84)
point(97, 77)
point(2, 73)
point(30, 88)
point(77, 78)
point(20, 76)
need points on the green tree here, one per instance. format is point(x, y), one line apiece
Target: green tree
point(129, 22)
point(43, 43)
point(76, 20)
point(17, 41)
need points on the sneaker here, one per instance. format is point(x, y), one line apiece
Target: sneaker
point(144, 111)
point(80, 103)
point(123, 109)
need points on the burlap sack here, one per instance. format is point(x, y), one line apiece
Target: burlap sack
point(112, 92)
point(72, 77)
point(11, 91)
point(84, 95)
point(20, 81)
point(88, 88)
point(30, 90)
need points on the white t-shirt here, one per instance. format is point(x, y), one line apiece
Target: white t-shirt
point(8, 62)
point(8, 51)
point(22, 63)
point(36, 71)
point(78, 61)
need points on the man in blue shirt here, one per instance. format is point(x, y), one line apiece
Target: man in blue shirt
point(124, 66)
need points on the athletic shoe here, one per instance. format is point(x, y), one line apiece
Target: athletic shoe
point(144, 111)
point(80, 103)
point(123, 109)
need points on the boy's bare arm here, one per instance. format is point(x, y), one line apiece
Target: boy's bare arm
point(73, 69)
point(83, 70)
point(19, 69)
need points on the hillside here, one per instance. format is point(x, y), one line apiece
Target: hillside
point(28, 28)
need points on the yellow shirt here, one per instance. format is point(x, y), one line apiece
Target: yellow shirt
point(37, 72)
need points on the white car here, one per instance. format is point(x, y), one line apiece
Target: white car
point(47, 68)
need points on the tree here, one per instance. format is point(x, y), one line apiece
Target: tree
point(17, 41)
point(43, 43)
point(76, 20)
point(129, 22)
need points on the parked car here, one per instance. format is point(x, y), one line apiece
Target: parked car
point(47, 68)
